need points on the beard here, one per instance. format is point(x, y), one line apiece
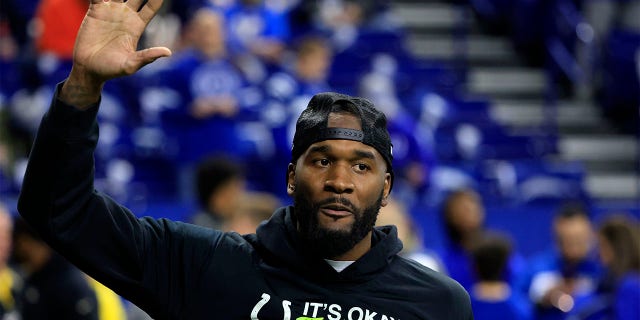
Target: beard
point(328, 243)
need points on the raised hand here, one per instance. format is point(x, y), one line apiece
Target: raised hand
point(106, 45)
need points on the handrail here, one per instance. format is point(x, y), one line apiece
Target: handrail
point(569, 28)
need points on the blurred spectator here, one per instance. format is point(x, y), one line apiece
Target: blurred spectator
point(220, 186)
point(491, 296)
point(412, 245)
point(207, 97)
point(185, 9)
point(253, 208)
point(463, 216)
point(53, 288)
point(619, 243)
point(256, 28)
point(9, 279)
point(618, 292)
point(110, 306)
point(10, 82)
point(413, 154)
point(54, 37)
point(343, 20)
point(40, 68)
point(288, 92)
point(566, 272)
point(305, 76)
point(18, 15)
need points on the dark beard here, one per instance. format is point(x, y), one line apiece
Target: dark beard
point(329, 243)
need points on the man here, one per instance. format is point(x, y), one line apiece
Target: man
point(463, 216)
point(339, 177)
point(220, 185)
point(491, 296)
point(566, 272)
point(208, 86)
point(52, 288)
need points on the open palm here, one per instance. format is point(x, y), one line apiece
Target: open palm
point(108, 37)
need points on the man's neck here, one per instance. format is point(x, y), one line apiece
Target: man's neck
point(357, 251)
point(492, 290)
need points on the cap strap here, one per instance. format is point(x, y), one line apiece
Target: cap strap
point(341, 133)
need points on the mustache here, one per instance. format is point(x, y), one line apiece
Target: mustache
point(343, 201)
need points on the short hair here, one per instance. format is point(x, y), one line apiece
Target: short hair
point(572, 210)
point(490, 255)
point(213, 172)
point(310, 43)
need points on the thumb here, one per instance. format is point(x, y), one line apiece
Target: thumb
point(143, 57)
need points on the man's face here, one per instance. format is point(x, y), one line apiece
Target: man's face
point(574, 237)
point(338, 188)
point(207, 33)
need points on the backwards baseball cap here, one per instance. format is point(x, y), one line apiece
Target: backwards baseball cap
point(311, 126)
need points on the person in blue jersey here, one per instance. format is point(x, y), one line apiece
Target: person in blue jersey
point(414, 155)
point(287, 90)
point(257, 28)
point(491, 296)
point(395, 213)
point(463, 218)
point(305, 75)
point(555, 279)
point(618, 290)
point(209, 87)
point(320, 258)
point(619, 247)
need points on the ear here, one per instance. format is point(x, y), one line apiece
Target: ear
point(291, 179)
point(386, 189)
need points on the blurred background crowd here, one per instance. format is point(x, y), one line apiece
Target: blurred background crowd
point(514, 125)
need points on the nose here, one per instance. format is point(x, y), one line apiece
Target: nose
point(339, 180)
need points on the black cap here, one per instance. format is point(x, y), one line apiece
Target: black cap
point(311, 126)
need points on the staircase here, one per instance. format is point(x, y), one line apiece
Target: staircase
point(517, 95)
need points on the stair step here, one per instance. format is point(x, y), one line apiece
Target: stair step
point(599, 147)
point(613, 186)
point(428, 16)
point(533, 113)
point(507, 82)
point(479, 49)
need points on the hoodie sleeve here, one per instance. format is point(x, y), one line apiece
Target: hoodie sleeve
point(150, 262)
point(460, 306)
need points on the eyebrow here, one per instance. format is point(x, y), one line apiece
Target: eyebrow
point(359, 153)
point(365, 154)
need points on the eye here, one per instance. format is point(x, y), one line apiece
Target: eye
point(361, 167)
point(322, 162)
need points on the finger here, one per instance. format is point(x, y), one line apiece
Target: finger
point(136, 5)
point(143, 57)
point(149, 9)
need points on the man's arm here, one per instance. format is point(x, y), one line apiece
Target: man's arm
point(139, 258)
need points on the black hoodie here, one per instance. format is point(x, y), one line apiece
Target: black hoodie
point(175, 270)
